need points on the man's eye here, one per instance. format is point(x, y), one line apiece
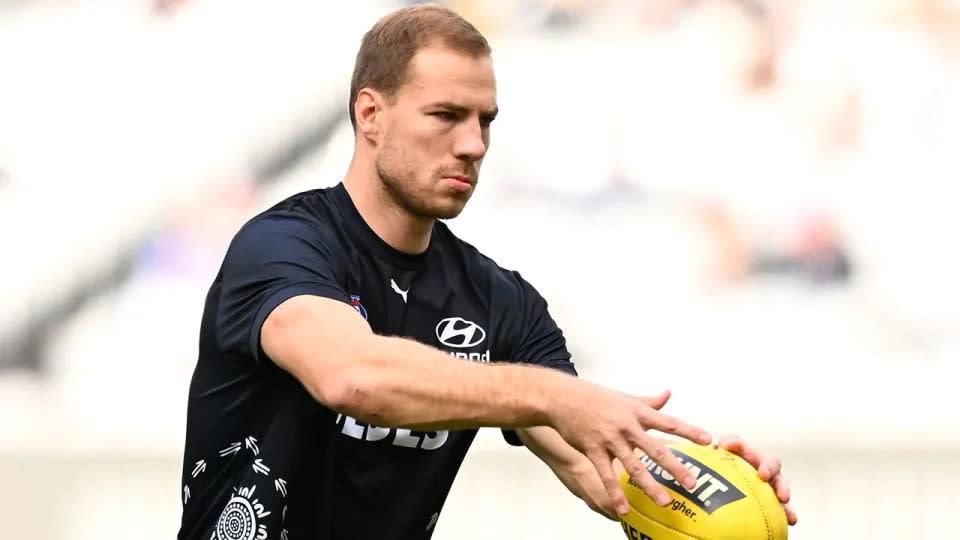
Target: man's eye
point(444, 115)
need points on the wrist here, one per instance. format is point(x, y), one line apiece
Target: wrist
point(552, 396)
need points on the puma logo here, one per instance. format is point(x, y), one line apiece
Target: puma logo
point(398, 290)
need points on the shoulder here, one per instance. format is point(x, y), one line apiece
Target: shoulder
point(304, 224)
point(482, 270)
point(304, 215)
point(316, 207)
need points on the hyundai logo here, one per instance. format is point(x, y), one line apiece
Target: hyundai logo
point(460, 333)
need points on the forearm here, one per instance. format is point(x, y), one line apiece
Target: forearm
point(396, 382)
point(399, 382)
point(572, 468)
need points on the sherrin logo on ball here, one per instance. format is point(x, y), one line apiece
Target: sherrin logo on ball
point(728, 502)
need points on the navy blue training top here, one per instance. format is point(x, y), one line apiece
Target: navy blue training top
point(262, 458)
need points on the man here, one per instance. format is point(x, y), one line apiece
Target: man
point(307, 417)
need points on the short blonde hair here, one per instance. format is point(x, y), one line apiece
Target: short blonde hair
point(388, 47)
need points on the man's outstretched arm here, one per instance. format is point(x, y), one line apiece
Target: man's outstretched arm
point(391, 381)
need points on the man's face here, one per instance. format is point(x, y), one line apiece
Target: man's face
point(436, 131)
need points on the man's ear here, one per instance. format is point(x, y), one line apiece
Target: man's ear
point(367, 110)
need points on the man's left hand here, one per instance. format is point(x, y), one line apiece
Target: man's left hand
point(768, 467)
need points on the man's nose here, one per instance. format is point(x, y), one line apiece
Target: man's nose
point(469, 144)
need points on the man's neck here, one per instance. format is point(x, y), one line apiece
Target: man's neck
point(393, 224)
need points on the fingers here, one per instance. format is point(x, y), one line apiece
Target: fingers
point(618, 467)
point(641, 477)
point(609, 514)
point(767, 467)
point(675, 426)
point(606, 511)
point(732, 443)
point(653, 489)
point(791, 515)
point(601, 502)
point(656, 402)
point(602, 462)
point(659, 453)
point(603, 505)
point(781, 487)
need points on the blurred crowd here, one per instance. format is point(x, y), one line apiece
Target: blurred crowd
point(811, 140)
point(705, 190)
point(786, 128)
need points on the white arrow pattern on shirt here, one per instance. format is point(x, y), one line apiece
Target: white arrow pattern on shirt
point(252, 445)
point(232, 449)
point(259, 467)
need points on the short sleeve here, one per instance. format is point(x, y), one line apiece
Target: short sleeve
point(541, 342)
point(272, 259)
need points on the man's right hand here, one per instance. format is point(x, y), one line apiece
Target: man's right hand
point(605, 424)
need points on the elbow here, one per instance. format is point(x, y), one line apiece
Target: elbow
point(342, 391)
point(351, 389)
point(335, 357)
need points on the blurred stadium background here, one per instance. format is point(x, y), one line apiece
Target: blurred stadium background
point(750, 202)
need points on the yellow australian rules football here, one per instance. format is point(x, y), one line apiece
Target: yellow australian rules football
point(729, 502)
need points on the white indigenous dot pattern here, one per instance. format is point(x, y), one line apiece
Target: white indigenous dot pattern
point(238, 521)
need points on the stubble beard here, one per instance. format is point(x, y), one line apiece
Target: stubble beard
point(399, 180)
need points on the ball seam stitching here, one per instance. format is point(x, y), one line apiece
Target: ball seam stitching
point(746, 481)
point(665, 526)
